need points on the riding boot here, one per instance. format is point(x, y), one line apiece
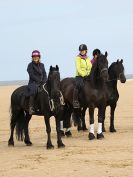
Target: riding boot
point(31, 105)
point(75, 98)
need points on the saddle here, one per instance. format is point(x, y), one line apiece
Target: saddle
point(25, 99)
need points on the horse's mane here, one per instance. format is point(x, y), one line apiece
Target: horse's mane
point(94, 70)
point(111, 67)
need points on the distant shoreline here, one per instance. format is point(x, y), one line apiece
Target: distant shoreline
point(25, 82)
point(17, 82)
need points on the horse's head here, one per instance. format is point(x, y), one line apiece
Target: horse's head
point(54, 79)
point(54, 85)
point(119, 71)
point(102, 64)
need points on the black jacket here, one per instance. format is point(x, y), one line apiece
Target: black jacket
point(37, 76)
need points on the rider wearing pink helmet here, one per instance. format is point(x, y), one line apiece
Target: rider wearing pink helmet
point(37, 76)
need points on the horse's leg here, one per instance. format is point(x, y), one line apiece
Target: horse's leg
point(77, 114)
point(112, 129)
point(103, 125)
point(48, 130)
point(12, 126)
point(76, 117)
point(101, 111)
point(62, 128)
point(26, 130)
point(59, 141)
point(91, 135)
point(67, 121)
point(83, 119)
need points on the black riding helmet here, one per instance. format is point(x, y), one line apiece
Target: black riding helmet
point(82, 47)
point(96, 52)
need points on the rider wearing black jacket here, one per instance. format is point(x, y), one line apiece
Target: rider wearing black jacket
point(37, 76)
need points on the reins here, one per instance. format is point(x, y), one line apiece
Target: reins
point(51, 101)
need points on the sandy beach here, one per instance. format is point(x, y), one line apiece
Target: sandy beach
point(110, 157)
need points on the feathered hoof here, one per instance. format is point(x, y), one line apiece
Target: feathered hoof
point(11, 143)
point(50, 146)
point(100, 136)
point(91, 136)
point(112, 129)
point(62, 133)
point(61, 145)
point(68, 134)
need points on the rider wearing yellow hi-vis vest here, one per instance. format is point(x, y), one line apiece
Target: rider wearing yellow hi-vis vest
point(83, 69)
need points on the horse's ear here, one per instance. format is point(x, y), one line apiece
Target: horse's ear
point(117, 61)
point(121, 60)
point(57, 67)
point(106, 54)
point(51, 68)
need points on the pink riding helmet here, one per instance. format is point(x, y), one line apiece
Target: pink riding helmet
point(36, 53)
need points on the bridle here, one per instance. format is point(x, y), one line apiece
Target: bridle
point(103, 70)
point(120, 75)
point(51, 101)
point(118, 78)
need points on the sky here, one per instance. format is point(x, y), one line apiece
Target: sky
point(57, 27)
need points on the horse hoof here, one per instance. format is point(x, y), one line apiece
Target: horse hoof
point(10, 143)
point(100, 136)
point(61, 145)
point(103, 129)
point(68, 134)
point(50, 146)
point(80, 128)
point(112, 130)
point(62, 133)
point(85, 129)
point(28, 143)
point(91, 136)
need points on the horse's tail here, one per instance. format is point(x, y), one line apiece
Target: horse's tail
point(20, 124)
point(18, 119)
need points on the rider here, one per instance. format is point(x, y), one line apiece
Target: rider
point(83, 69)
point(37, 76)
point(96, 53)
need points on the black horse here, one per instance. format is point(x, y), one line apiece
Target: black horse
point(116, 72)
point(92, 94)
point(48, 102)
